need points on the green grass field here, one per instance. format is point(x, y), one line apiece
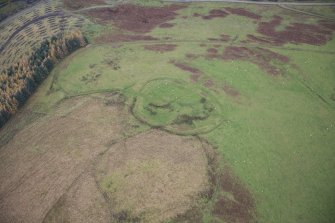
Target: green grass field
point(276, 131)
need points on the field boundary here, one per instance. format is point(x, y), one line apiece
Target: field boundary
point(216, 42)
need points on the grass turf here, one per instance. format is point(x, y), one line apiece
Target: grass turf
point(277, 134)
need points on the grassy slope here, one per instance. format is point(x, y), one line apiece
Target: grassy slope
point(278, 135)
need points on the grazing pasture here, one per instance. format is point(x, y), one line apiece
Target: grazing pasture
point(176, 112)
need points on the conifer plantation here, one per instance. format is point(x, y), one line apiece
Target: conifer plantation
point(20, 80)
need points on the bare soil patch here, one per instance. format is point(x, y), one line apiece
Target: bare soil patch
point(110, 38)
point(160, 47)
point(243, 12)
point(296, 32)
point(74, 5)
point(153, 176)
point(136, 18)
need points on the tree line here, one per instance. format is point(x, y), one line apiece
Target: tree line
point(20, 80)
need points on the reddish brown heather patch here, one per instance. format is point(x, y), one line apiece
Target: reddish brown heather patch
point(214, 13)
point(208, 83)
point(212, 50)
point(166, 25)
point(243, 12)
point(230, 90)
point(327, 24)
point(161, 47)
point(260, 39)
point(136, 18)
point(213, 39)
point(70, 4)
point(223, 38)
point(240, 207)
point(192, 56)
point(108, 38)
point(295, 32)
point(263, 58)
point(196, 74)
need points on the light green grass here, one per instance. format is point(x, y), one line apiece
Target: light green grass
point(278, 135)
point(178, 107)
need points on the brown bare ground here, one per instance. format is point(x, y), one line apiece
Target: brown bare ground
point(160, 47)
point(74, 5)
point(136, 18)
point(243, 12)
point(153, 176)
point(43, 160)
